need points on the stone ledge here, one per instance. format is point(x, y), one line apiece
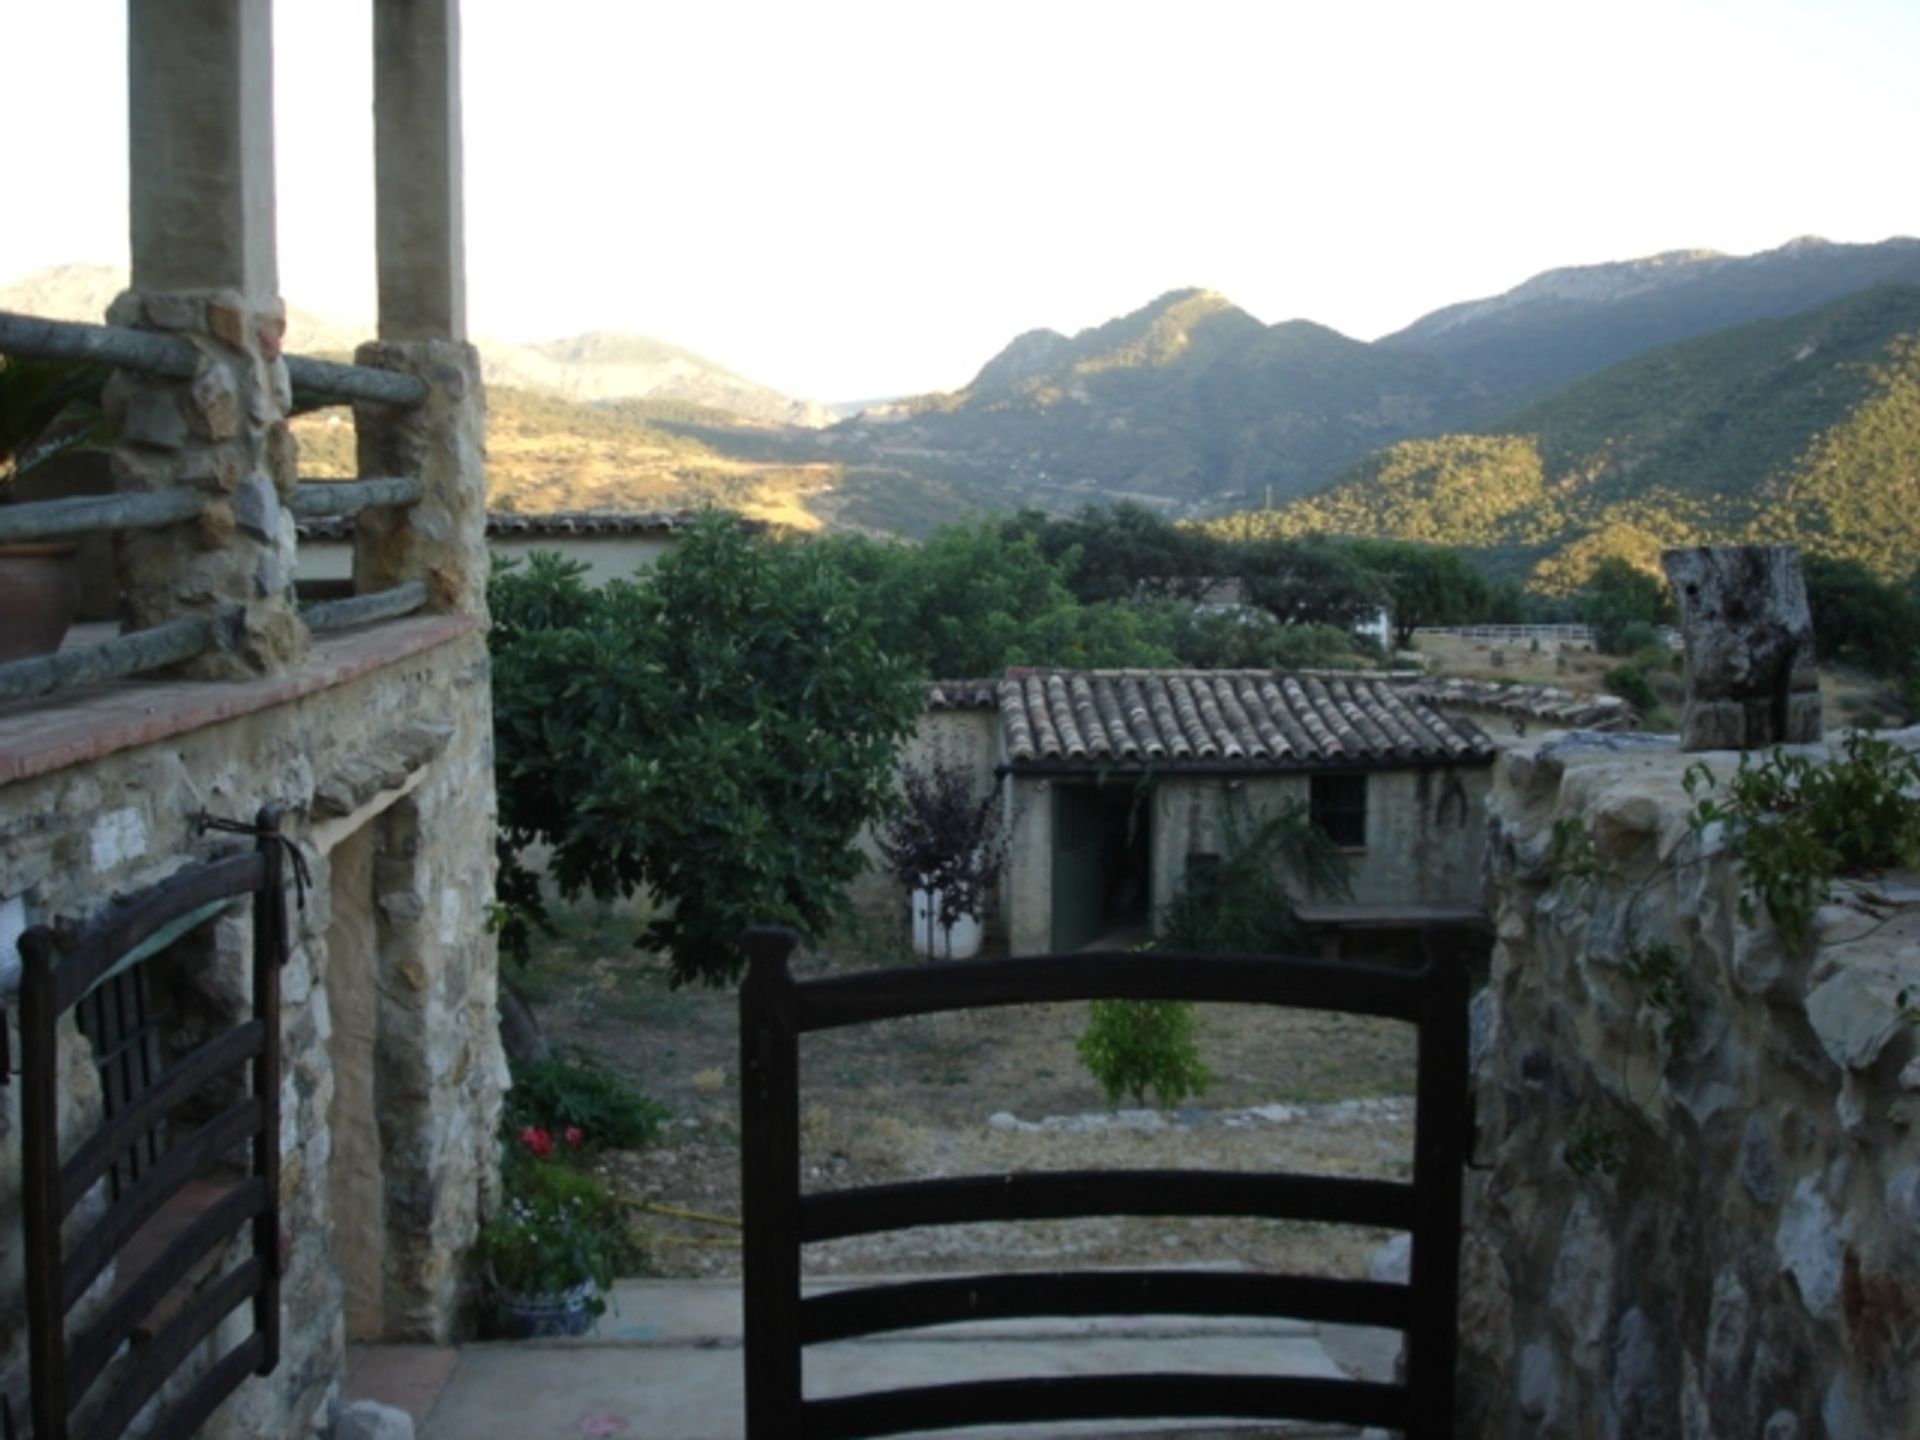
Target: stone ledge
point(41, 737)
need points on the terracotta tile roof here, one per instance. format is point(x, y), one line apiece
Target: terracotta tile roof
point(963, 695)
point(1536, 702)
point(1264, 720)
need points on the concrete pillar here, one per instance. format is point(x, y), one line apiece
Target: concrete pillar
point(419, 210)
point(200, 87)
point(200, 112)
point(423, 319)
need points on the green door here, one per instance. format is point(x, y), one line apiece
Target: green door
point(1079, 872)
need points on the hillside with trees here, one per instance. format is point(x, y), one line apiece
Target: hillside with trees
point(547, 453)
point(1803, 430)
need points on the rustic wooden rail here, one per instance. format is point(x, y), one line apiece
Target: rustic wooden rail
point(776, 1009)
point(183, 639)
point(67, 1248)
point(153, 509)
point(314, 381)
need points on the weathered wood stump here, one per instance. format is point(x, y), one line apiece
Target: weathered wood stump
point(1751, 678)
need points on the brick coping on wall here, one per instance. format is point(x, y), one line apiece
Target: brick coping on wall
point(38, 737)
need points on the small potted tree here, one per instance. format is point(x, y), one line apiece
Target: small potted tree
point(946, 846)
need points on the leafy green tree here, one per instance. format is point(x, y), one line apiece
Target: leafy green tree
point(1860, 619)
point(1426, 585)
point(1618, 595)
point(1310, 582)
point(1242, 640)
point(1133, 1046)
point(1124, 552)
point(971, 600)
point(714, 733)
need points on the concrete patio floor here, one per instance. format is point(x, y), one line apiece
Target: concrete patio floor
point(665, 1365)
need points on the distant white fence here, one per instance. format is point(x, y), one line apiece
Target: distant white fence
point(1557, 634)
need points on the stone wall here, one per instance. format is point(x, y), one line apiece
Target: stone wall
point(392, 759)
point(1673, 1234)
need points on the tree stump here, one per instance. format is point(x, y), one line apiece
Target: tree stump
point(1751, 678)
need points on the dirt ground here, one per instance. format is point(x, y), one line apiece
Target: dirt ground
point(973, 1093)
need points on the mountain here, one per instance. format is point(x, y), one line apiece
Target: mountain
point(600, 365)
point(1803, 430)
point(1567, 323)
point(83, 292)
point(609, 365)
point(1188, 401)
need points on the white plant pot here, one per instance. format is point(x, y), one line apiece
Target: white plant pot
point(932, 941)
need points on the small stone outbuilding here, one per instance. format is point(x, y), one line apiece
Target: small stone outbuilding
point(1119, 783)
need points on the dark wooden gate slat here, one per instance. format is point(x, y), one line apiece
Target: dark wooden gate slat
point(183, 1078)
point(151, 1365)
point(1077, 1194)
point(1439, 1156)
point(909, 1305)
point(191, 1410)
point(40, 1183)
point(269, 955)
point(59, 1272)
point(89, 1255)
point(1285, 980)
point(770, 1186)
point(101, 946)
point(774, 1009)
point(214, 1227)
point(1104, 1397)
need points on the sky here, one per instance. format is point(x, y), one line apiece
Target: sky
point(851, 200)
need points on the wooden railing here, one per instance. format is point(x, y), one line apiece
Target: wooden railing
point(314, 382)
point(163, 1306)
point(775, 1010)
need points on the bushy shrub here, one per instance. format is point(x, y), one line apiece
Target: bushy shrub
point(1796, 824)
point(1133, 1046)
point(1627, 638)
point(559, 1096)
point(1240, 904)
point(1631, 684)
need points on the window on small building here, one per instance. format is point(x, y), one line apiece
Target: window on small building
point(1338, 805)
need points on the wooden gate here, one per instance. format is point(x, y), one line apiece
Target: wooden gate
point(775, 1010)
point(167, 1295)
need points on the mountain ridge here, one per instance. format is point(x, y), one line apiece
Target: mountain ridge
point(1803, 429)
point(598, 365)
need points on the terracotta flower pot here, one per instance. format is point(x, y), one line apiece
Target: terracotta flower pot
point(39, 595)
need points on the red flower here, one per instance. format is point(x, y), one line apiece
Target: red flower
point(575, 1137)
point(538, 1142)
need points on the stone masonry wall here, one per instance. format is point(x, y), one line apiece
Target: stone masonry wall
point(405, 748)
point(1713, 1236)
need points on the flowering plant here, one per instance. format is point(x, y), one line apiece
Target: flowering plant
point(558, 1227)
